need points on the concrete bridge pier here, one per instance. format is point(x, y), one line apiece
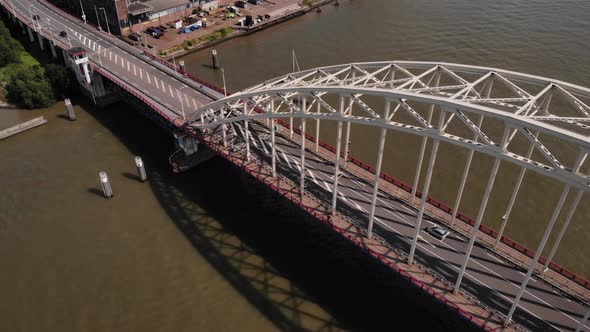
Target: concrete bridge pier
point(190, 153)
point(22, 27)
point(52, 47)
point(41, 43)
point(31, 37)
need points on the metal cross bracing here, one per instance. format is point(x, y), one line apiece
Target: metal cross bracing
point(485, 110)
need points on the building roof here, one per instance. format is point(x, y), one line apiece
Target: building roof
point(154, 6)
point(137, 8)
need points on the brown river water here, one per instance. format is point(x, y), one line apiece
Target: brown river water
point(198, 251)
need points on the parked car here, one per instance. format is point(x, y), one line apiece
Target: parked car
point(163, 28)
point(36, 17)
point(438, 232)
point(135, 36)
point(63, 33)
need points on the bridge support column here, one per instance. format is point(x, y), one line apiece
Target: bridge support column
point(347, 136)
point(272, 140)
point(337, 162)
point(513, 197)
point(317, 128)
point(31, 37)
point(562, 231)
point(224, 134)
point(41, 44)
point(426, 188)
point(423, 146)
point(479, 218)
point(564, 194)
point(488, 91)
point(464, 177)
point(378, 169)
point(302, 176)
point(247, 138)
point(421, 157)
point(52, 47)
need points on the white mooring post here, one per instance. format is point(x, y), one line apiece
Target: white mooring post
point(215, 59)
point(106, 185)
point(70, 109)
point(140, 169)
point(378, 169)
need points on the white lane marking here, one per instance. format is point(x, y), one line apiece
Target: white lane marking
point(186, 98)
point(194, 104)
point(178, 93)
point(148, 77)
point(134, 70)
point(171, 93)
point(163, 87)
point(122, 63)
point(116, 58)
point(156, 81)
point(496, 258)
point(110, 56)
point(140, 73)
point(285, 157)
point(128, 69)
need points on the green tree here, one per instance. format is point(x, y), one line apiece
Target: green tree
point(9, 48)
point(59, 78)
point(28, 87)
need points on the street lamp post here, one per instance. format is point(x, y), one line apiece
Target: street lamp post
point(97, 19)
point(106, 19)
point(223, 79)
point(83, 14)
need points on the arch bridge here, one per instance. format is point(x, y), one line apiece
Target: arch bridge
point(535, 123)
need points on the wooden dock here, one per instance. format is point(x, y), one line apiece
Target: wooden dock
point(22, 127)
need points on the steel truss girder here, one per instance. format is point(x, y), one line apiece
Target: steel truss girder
point(363, 80)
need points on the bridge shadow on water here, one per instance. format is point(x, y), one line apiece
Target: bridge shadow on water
point(294, 270)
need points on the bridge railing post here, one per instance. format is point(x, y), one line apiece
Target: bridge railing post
point(378, 169)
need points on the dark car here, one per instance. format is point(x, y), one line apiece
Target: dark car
point(135, 36)
point(438, 232)
point(36, 17)
point(63, 33)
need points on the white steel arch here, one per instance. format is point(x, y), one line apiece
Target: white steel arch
point(477, 108)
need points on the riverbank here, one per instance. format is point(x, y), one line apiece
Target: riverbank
point(226, 32)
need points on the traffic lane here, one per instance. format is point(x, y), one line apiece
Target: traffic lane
point(171, 95)
point(503, 285)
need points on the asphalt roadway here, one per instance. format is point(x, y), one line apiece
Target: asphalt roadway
point(176, 95)
point(489, 278)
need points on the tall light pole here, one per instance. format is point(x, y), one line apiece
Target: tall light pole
point(83, 15)
point(97, 19)
point(223, 79)
point(106, 19)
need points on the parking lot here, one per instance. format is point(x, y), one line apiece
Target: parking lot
point(214, 21)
